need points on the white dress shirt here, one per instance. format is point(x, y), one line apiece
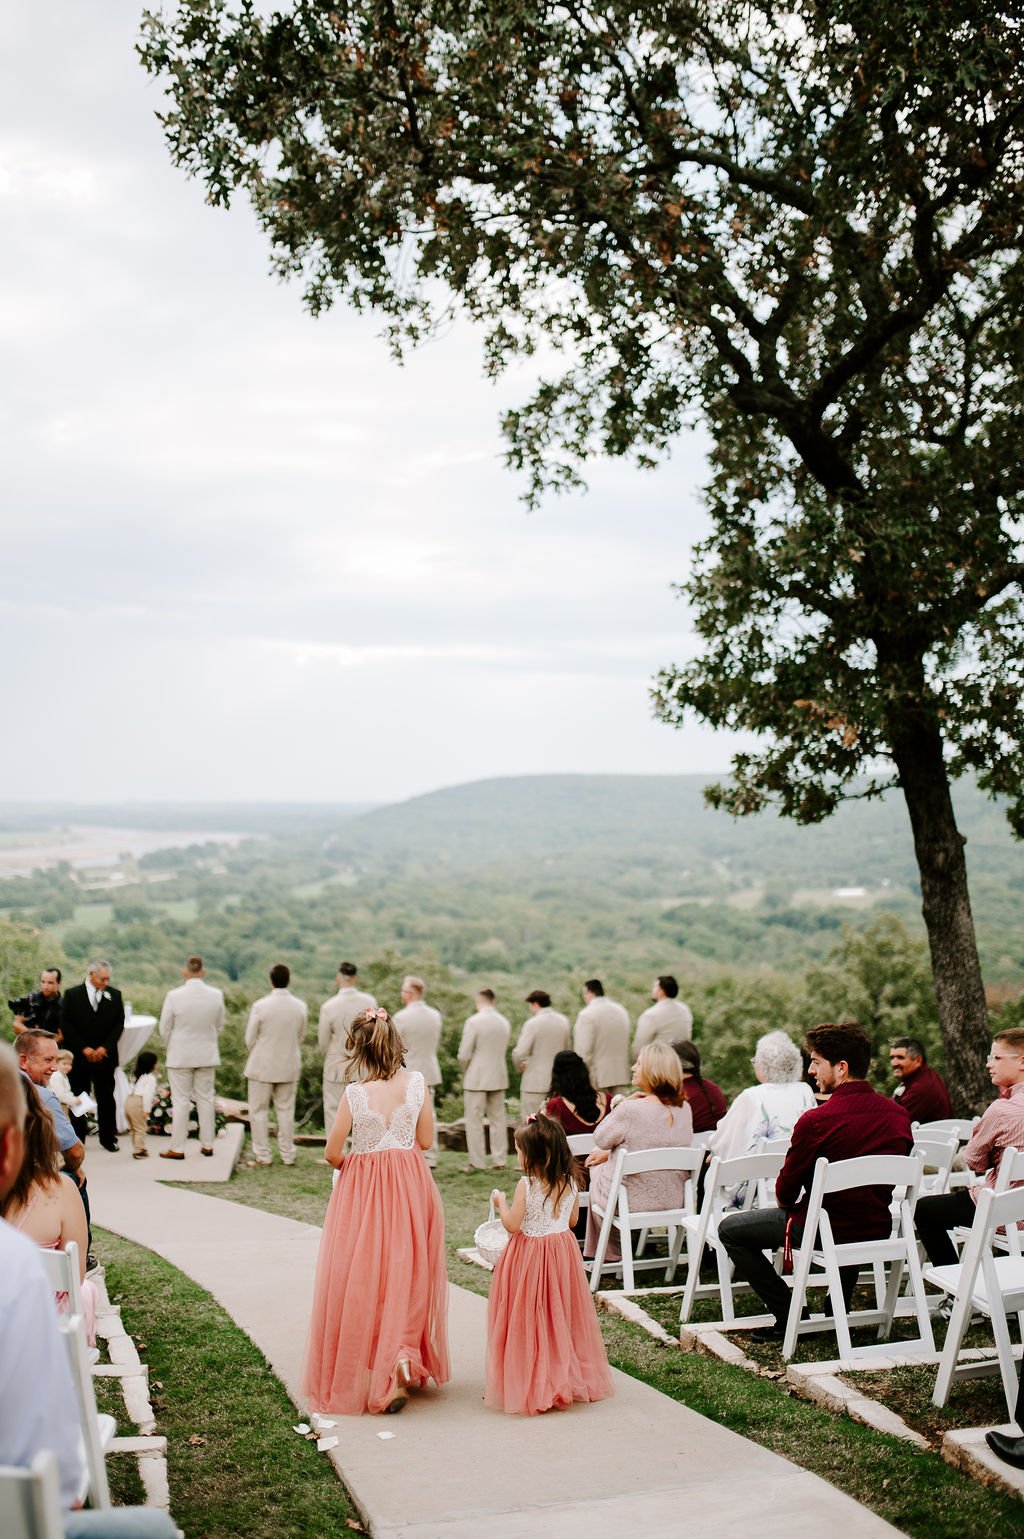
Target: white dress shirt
point(38, 1408)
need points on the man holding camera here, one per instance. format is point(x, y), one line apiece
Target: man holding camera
point(40, 1010)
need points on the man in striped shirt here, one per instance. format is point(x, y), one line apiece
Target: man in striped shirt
point(1002, 1127)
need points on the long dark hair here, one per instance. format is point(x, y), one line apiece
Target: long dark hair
point(688, 1054)
point(41, 1163)
point(545, 1150)
point(570, 1079)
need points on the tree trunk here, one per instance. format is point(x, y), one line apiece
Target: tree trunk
point(946, 906)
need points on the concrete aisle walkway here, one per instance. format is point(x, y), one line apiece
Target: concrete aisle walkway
point(640, 1464)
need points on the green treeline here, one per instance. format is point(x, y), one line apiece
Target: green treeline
point(534, 883)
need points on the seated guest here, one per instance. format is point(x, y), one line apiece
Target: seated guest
point(1001, 1127)
point(854, 1121)
point(1011, 1449)
point(768, 1109)
point(45, 1207)
point(38, 1409)
point(572, 1100)
point(921, 1092)
point(706, 1101)
point(575, 1103)
point(656, 1117)
point(60, 1081)
point(37, 1058)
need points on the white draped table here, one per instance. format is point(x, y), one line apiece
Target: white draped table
point(133, 1039)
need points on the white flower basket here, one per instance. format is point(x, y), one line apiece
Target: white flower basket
point(491, 1238)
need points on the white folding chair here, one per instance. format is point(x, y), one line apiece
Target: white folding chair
point(701, 1140)
point(723, 1179)
point(1010, 1173)
point(898, 1251)
point(617, 1214)
point(938, 1152)
point(97, 1430)
point(961, 1128)
point(766, 1187)
point(580, 1145)
point(30, 1500)
point(989, 1284)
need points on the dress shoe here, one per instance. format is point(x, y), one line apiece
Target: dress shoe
point(141, 1154)
point(207, 1152)
point(110, 1146)
point(171, 1154)
point(766, 1333)
point(1009, 1449)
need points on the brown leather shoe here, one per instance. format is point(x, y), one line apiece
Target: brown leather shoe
point(171, 1154)
point(208, 1152)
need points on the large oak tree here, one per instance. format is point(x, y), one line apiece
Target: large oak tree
point(799, 223)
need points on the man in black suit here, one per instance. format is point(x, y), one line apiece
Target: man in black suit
point(92, 1023)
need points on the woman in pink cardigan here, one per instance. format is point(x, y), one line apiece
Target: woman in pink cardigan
point(657, 1117)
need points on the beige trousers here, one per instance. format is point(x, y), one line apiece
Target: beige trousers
point(261, 1093)
point(135, 1116)
point(478, 1104)
point(531, 1101)
point(188, 1085)
point(334, 1089)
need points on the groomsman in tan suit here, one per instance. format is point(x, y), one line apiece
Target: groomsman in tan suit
point(543, 1035)
point(419, 1026)
point(336, 1016)
point(191, 1021)
point(482, 1055)
point(273, 1035)
point(602, 1038)
point(667, 1020)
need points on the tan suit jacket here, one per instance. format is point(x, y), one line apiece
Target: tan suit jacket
point(419, 1026)
point(336, 1016)
point(273, 1035)
point(668, 1020)
point(191, 1021)
point(542, 1036)
point(602, 1040)
point(482, 1051)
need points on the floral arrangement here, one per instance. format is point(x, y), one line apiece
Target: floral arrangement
point(160, 1116)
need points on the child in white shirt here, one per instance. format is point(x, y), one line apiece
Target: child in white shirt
point(59, 1081)
point(139, 1103)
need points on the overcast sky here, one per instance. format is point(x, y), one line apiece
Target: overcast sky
point(247, 556)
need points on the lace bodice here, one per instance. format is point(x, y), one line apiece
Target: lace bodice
point(541, 1217)
point(370, 1133)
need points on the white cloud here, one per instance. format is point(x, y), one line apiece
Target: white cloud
point(243, 527)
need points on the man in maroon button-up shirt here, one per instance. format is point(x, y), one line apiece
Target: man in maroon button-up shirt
point(921, 1092)
point(854, 1121)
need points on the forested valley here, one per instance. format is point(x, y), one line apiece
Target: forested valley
point(517, 884)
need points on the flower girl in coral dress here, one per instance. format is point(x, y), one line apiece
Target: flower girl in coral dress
point(380, 1301)
point(544, 1347)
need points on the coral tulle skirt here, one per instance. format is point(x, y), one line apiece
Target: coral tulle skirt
point(544, 1346)
point(381, 1292)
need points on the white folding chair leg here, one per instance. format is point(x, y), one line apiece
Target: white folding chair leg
point(597, 1265)
point(625, 1242)
point(959, 1321)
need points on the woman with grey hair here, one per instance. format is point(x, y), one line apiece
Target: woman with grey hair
point(769, 1109)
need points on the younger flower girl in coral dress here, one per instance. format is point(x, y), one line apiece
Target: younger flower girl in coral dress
point(544, 1346)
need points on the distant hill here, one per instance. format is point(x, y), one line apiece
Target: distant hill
point(663, 820)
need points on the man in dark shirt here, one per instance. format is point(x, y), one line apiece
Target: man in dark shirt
point(921, 1092)
point(40, 1010)
point(854, 1121)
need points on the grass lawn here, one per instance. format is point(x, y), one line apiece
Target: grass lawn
point(915, 1491)
point(234, 1464)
